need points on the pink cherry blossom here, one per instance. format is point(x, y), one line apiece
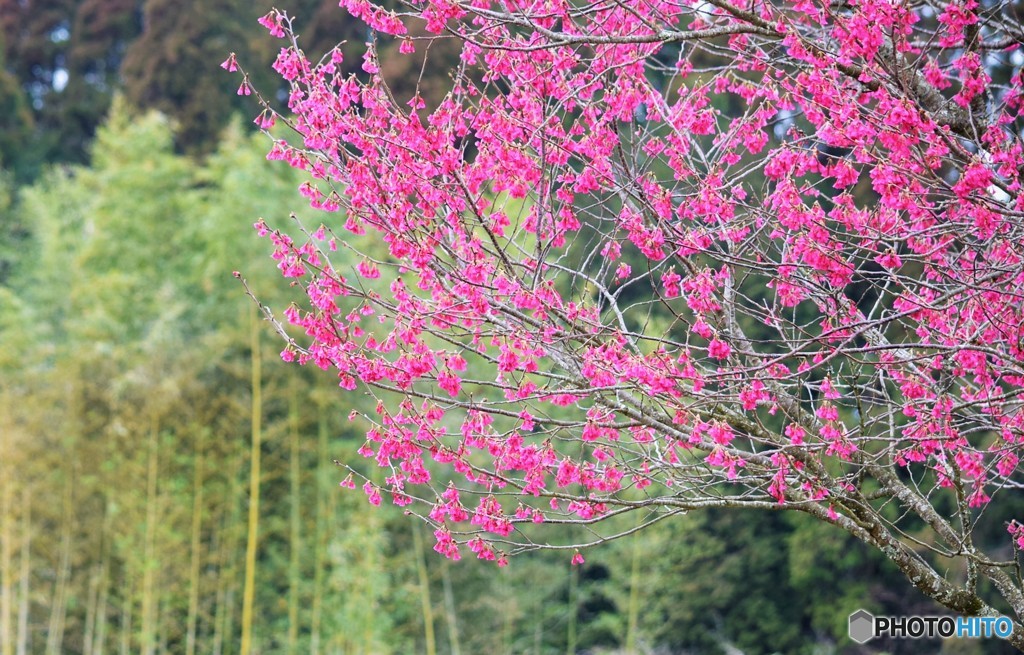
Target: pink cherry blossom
point(761, 255)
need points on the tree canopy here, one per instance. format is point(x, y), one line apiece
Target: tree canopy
point(657, 258)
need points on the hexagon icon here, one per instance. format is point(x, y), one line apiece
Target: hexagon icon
point(862, 626)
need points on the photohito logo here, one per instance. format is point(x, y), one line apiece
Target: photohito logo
point(864, 626)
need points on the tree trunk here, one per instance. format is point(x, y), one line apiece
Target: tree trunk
point(254, 489)
point(296, 544)
point(196, 546)
point(146, 636)
point(428, 612)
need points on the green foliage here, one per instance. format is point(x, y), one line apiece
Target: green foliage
point(171, 66)
point(16, 124)
point(66, 55)
point(13, 234)
point(121, 323)
point(122, 328)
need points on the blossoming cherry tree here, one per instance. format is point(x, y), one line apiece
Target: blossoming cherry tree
point(654, 257)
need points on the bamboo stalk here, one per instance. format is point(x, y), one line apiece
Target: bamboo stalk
point(6, 542)
point(570, 642)
point(249, 590)
point(95, 615)
point(55, 633)
point(26, 570)
point(99, 644)
point(449, 610)
point(428, 612)
point(320, 547)
point(633, 611)
point(146, 636)
point(127, 608)
point(90, 608)
point(296, 544)
point(196, 545)
point(224, 618)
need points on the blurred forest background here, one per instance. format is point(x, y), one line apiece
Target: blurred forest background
point(134, 377)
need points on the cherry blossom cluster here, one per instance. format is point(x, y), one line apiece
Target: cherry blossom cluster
point(657, 256)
